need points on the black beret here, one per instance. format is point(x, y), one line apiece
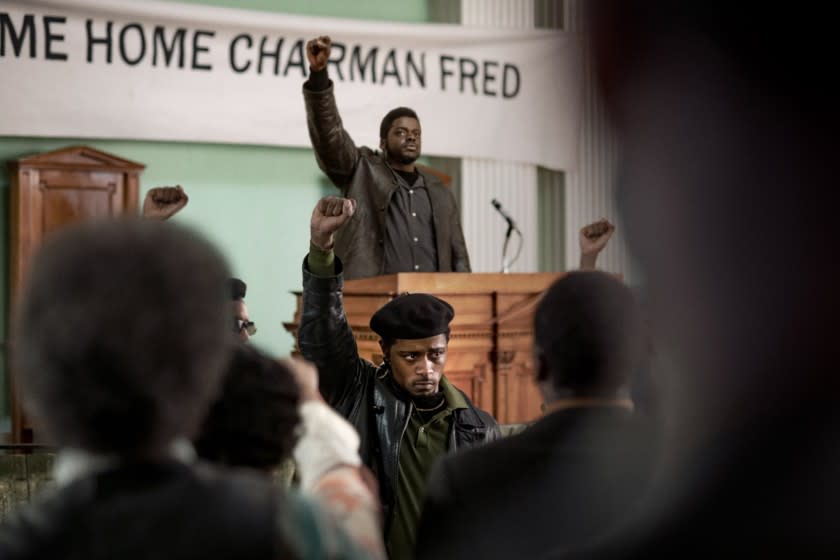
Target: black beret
point(412, 316)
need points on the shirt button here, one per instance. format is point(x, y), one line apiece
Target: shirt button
point(410, 191)
point(415, 240)
point(416, 267)
point(414, 214)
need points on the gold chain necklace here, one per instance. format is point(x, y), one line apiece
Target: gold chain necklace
point(442, 402)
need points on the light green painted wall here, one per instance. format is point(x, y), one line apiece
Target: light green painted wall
point(253, 202)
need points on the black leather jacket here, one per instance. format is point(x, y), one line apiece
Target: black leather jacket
point(361, 391)
point(362, 174)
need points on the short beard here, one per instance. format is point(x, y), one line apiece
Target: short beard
point(400, 158)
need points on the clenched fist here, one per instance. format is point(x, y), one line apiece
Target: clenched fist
point(161, 203)
point(318, 52)
point(329, 215)
point(593, 239)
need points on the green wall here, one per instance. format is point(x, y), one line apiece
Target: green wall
point(253, 202)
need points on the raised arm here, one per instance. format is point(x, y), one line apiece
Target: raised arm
point(324, 336)
point(593, 239)
point(335, 151)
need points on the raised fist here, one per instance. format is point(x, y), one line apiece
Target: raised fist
point(161, 203)
point(329, 215)
point(318, 52)
point(593, 239)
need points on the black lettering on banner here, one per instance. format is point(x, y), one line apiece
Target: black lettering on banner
point(296, 58)
point(275, 54)
point(27, 27)
point(337, 60)
point(419, 72)
point(49, 37)
point(513, 90)
point(389, 68)
point(469, 69)
point(444, 71)
point(198, 49)
point(232, 57)
point(356, 63)
point(123, 54)
point(489, 78)
point(177, 43)
point(91, 40)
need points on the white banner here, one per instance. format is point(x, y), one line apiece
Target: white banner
point(161, 71)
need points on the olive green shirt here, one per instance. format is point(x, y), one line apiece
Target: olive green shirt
point(421, 444)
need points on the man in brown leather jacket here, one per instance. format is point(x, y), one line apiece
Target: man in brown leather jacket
point(406, 220)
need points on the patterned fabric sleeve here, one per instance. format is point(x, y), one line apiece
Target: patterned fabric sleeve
point(317, 533)
point(342, 493)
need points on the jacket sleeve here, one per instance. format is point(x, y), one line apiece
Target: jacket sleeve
point(335, 151)
point(325, 339)
point(460, 257)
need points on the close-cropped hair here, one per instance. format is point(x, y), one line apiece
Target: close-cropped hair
point(393, 115)
point(237, 288)
point(121, 335)
point(254, 422)
point(589, 330)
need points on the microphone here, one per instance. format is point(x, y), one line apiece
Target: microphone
point(497, 205)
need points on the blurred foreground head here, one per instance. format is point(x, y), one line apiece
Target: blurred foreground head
point(254, 422)
point(121, 335)
point(587, 337)
point(728, 191)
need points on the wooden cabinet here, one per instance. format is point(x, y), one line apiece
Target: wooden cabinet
point(490, 348)
point(50, 191)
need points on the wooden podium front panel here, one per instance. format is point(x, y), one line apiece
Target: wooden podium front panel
point(490, 348)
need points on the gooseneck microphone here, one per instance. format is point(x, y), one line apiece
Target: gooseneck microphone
point(506, 264)
point(498, 206)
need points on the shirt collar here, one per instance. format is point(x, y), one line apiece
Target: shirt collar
point(454, 398)
point(72, 463)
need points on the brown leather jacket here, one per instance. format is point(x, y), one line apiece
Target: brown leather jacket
point(362, 174)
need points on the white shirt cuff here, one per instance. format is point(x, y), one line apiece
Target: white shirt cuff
point(327, 441)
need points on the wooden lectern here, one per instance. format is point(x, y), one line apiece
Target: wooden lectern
point(490, 349)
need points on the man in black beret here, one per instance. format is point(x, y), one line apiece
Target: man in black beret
point(406, 412)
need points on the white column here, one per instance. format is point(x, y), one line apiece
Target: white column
point(513, 185)
point(590, 188)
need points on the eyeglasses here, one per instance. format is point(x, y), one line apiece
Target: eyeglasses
point(248, 326)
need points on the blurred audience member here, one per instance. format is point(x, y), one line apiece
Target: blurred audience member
point(256, 424)
point(120, 346)
point(574, 473)
point(729, 194)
